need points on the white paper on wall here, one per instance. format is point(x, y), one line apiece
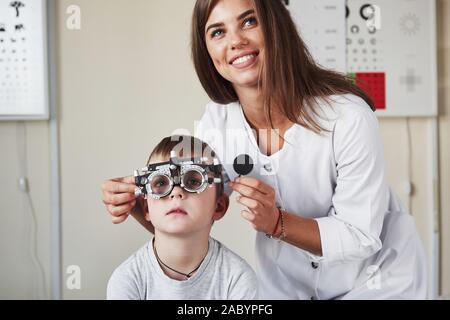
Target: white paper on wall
point(23, 60)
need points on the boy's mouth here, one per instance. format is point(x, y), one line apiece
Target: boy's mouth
point(177, 210)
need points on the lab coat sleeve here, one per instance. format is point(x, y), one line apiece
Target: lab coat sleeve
point(351, 231)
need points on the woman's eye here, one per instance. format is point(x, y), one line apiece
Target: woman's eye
point(250, 22)
point(216, 33)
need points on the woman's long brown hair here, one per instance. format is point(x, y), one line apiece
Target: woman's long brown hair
point(290, 78)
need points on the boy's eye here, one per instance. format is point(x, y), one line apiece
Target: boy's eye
point(193, 180)
point(159, 183)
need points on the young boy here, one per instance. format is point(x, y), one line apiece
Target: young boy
point(185, 196)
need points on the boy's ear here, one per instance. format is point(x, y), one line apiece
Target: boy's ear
point(144, 206)
point(222, 204)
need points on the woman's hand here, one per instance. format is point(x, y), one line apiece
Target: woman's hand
point(259, 198)
point(119, 198)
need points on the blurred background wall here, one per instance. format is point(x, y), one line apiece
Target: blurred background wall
point(116, 79)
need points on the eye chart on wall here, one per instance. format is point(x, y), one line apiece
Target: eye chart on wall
point(321, 24)
point(387, 47)
point(23, 60)
point(392, 54)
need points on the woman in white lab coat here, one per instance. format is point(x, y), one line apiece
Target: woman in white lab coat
point(329, 227)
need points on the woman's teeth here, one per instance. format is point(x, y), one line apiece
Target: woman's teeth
point(243, 59)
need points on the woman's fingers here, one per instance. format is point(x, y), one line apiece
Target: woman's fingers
point(247, 191)
point(120, 185)
point(129, 179)
point(250, 217)
point(117, 211)
point(118, 199)
point(122, 218)
point(255, 184)
point(262, 218)
point(252, 204)
point(259, 198)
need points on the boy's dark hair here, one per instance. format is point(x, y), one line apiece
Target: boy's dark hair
point(185, 147)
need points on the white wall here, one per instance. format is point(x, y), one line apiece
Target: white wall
point(19, 276)
point(444, 137)
point(117, 78)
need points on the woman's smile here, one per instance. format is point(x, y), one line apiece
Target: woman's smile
point(245, 60)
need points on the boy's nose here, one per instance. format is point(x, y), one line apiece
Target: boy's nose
point(177, 192)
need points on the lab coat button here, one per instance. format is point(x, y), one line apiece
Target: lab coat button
point(268, 167)
point(314, 265)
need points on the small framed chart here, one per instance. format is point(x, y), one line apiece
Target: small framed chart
point(23, 60)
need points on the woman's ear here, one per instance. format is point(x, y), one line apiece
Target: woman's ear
point(222, 204)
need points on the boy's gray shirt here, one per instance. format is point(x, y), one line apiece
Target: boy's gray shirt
point(223, 275)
